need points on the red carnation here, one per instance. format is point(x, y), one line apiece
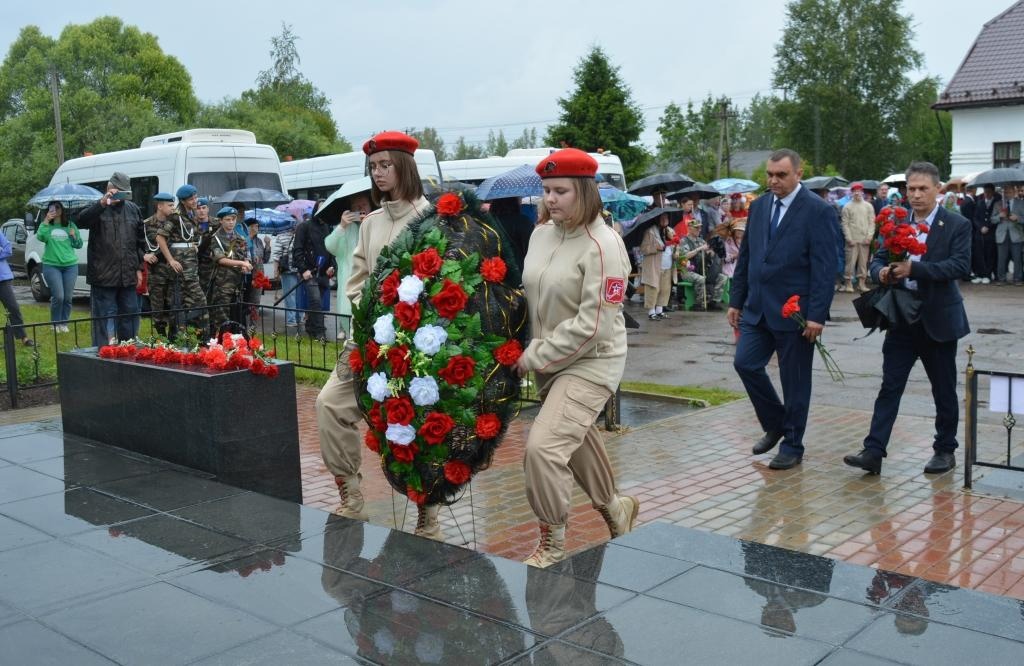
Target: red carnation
point(449, 204)
point(272, 370)
point(415, 495)
point(398, 357)
point(408, 315)
point(508, 353)
point(405, 454)
point(355, 362)
point(258, 367)
point(791, 307)
point(488, 426)
point(373, 353)
point(901, 213)
point(456, 472)
point(426, 264)
point(371, 441)
point(887, 228)
point(389, 289)
point(886, 211)
point(450, 300)
point(377, 421)
point(493, 269)
point(399, 410)
point(108, 352)
point(435, 428)
point(922, 228)
point(458, 371)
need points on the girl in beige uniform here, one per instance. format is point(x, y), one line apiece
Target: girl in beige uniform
point(574, 276)
point(399, 192)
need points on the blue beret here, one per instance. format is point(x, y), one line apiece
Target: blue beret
point(163, 196)
point(225, 211)
point(204, 201)
point(186, 191)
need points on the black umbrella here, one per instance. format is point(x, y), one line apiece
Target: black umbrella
point(885, 307)
point(660, 182)
point(258, 197)
point(643, 221)
point(1001, 176)
point(705, 192)
point(870, 185)
point(826, 182)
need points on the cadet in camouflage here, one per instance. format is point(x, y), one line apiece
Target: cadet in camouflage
point(229, 253)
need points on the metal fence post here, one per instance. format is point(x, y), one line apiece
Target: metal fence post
point(11, 362)
point(970, 417)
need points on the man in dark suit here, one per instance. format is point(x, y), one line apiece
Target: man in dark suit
point(789, 249)
point(933, 339)
point(983, 251)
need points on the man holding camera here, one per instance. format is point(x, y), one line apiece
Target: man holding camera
point(315, 267)
point(114, 255)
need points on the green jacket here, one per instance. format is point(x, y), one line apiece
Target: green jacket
point(60, 245)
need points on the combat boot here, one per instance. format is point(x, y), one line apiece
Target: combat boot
point(427, 524)
point(620, 514)
point(551, 548)
point(352, 505)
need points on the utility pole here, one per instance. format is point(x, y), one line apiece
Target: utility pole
point(723, 116)
point(55, 91)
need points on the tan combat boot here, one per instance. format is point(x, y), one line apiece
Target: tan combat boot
point(620, 515)
point(352, 505)
point(551, 548)
point(426, 522)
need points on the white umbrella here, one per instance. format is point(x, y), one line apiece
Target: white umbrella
point(896, 178)
point(330, 211)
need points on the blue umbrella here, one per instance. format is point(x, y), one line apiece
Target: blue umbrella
point(271, 221)
point(69, 194)
point(621, 205)
point(520, 182)
point(734, 185)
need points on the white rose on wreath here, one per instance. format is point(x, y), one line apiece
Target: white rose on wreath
point(409, 289)
point(423, 391)
point(429, 339)
point(384, 329)
point(377, 386)
point(400, 434)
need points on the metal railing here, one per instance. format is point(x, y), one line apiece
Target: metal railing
point(1009, 420)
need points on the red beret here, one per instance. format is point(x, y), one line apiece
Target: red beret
point(857, 186)
point(567, 163)
point(391, 141)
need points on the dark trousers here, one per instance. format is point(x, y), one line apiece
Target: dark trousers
point(117, 313)
point(1007, 252)
point(10, 302)
point(314, 303)
point(983, 253)
point(901, 349)
point(756, 345)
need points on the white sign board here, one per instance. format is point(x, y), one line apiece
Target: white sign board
point(999, 395)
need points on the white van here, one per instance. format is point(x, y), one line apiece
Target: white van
point(320, 177)
point(609, 166)
point(213, 160)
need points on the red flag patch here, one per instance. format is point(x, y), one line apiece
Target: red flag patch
point(614, 289)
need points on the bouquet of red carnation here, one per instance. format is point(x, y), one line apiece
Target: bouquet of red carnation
point(231, 352)
point(899, 238)
point(791, 310)
point(261, 281)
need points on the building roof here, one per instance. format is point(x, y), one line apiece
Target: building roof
point(992, 73)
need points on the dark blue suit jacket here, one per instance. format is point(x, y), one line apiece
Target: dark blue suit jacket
point(799, 259)
point(947, 260)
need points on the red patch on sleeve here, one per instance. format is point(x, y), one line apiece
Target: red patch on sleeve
point(614, 289)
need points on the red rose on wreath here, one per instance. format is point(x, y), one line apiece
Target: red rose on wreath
point(449, 204)
point(398, 357)
point(488, 426)
point(408, 315)
point(435, 428)
point(373, 353)
point(493, 269)
point(355, 362)
point(456, 472)
point(450, 300)
point(406, 453)
point(377, 421)
point(459, 370)
point(372, 443)
point(508, 353)
point(415, 495)
point(426, 264)
point(399, 410)
point(389, 289)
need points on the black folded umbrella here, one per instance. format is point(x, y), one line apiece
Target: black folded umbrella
point(885, 307)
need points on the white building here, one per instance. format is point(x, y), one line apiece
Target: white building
point(985, 97)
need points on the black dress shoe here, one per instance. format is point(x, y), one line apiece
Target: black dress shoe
point(940, 462)
point(767, 443)
point(869, 461)
point(785, 461)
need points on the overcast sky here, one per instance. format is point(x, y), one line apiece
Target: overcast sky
point(464, 67)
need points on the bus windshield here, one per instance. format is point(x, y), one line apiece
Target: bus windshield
point(216, 183)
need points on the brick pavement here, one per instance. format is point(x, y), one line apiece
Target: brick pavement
point(695, 469)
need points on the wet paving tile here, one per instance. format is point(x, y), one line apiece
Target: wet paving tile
point(554, 653)
point(160, 544)
point(545, 602)
point(991, 614)
point(40, 445)
point(283, 647)
point(50, 575)
point(399, 628)
point(652, 631)
point(299, 590)
point(32, 643)
point(787, 609)
point(845, 657)
point(14, 534)
point(19, 483)
point(168, 490)
point(9, 615)
point(158, 623)
point(93, 467)
point(78, 510)
point(257, 518)
point(622, 567)
point(914, 640)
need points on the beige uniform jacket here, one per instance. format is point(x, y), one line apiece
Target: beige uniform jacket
point(376, 232)
point(858, 222)
point(575, 283)
point(652, 246)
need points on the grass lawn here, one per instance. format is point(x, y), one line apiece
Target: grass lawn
point(712, 396)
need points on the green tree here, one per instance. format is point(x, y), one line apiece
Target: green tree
point(430, 140)
point(760, 124)
point(689, 141)
point(844, 65)
point(600, 113)
point(466, 151)
point(496, 145)
point(116, 87)
point(528, 139)
point(921, 132)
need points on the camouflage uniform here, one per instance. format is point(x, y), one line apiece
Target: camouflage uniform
point(686, 274)
point(159, 290)
point(182, 240)
point(226, 281)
